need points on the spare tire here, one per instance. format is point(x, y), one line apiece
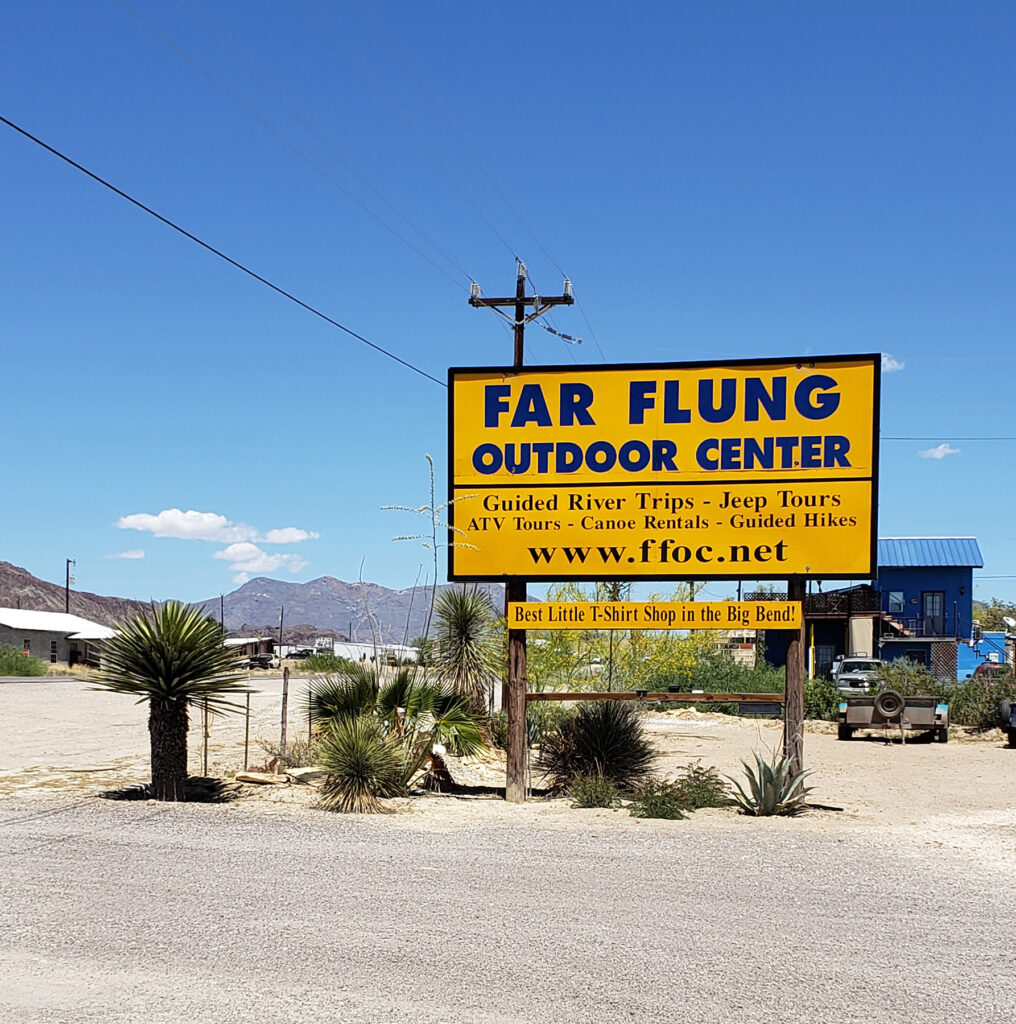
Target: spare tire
point(889, 704)
point(1004, 711)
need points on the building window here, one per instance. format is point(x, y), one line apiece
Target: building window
point(52, 652)
point(895, 602)
point(917, 657)
point(26, 646)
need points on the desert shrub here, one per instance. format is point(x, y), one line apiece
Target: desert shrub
point(717, 673)
point(323, 663)
point(300, 753)
point(604, 738)
point(546, 716)
point(364, 765)
point(14, 663)
point(497, 730)
point(541, 717)
point(659, 799)
point(975, 701)
point(773, 787)
point(699, 787)
point(821, 700)
point(593, 791)
point(909, 679)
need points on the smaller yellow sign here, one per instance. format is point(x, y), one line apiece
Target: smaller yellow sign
point(654, 615)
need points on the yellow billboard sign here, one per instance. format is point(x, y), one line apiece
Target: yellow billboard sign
point(754, 470)
point(654, 615)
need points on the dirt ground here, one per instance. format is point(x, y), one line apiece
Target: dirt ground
point(62, 739)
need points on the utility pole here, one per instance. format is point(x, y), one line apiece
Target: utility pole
point(514, 697)
point(67, 585)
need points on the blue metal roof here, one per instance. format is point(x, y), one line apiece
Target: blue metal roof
point(914, 552)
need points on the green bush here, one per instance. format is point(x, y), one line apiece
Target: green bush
point(14, 663)
point(323, 663)
point(604, 738)
point(821, 700)
point(974, 702)
point(300, 753)
point(659, 799)
point(593, 791)
point(541, 717)
point(700, 787)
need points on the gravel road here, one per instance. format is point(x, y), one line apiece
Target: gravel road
point(134, 912)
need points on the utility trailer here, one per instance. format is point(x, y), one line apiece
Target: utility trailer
point(890, 709)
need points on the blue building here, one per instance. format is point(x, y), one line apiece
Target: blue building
point(926, 586)
point(919, 607)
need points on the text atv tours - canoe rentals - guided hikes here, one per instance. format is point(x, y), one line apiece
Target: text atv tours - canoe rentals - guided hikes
point(758, 470)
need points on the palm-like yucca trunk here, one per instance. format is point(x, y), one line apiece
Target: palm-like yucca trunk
point(167, 728)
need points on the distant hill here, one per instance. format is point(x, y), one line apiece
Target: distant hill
point(324, 606)
point(20, 589)
point(351, 610)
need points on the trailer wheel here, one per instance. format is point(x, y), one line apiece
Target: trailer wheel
point(942, 734)
point(845, 732)
point(1012, 737)
point(889, 704)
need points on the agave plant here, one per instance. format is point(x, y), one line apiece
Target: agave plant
point(773, 787)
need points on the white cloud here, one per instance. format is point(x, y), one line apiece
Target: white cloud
point(939, 451)
point(210, 526)
point(890, 364)
point(288, 535)
point(246, 558)
point(133, 553)
point(190, 525)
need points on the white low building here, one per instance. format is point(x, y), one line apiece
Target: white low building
point(53, 636)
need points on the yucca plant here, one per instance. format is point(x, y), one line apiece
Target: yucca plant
point(604, 739)
point(363, 763)
point(773, 787)
point(467, 646)
point(410, 712)
point(172, 657)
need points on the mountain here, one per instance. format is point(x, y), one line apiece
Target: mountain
point(325, 606)
point(352, 610)
point(20, 589)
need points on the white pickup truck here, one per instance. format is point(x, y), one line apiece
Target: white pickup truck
point(855, 675)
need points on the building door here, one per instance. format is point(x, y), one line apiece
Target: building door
point(933, 612)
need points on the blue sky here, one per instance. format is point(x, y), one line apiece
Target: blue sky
point(717, 179)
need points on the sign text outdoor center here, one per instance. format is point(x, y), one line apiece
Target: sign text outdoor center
point(734, 470)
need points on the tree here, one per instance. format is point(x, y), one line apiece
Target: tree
point(172, 657)
point(467, 654)
point(992, 615)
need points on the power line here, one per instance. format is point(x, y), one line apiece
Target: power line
point(482, 169)
point(311, 163)
point(219, 253)
point(310, 128)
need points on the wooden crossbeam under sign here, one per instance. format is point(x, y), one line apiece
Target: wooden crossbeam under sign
point(645, 695)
